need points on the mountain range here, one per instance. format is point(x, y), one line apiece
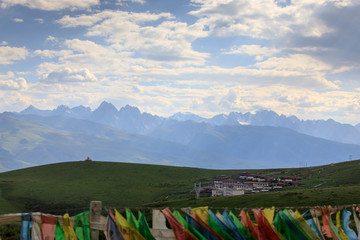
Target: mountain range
point(131, 119)
point(252, 140)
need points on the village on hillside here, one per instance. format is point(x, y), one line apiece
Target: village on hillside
point(244, 183)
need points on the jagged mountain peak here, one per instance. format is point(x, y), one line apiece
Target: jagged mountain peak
point(35, 111)
point(106, 106)
point(30, 108)
point(130, 110)
point(62, 109)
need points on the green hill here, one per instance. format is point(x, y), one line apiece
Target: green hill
point(71, 186)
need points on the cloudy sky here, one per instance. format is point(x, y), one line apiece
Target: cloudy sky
point(295, 57)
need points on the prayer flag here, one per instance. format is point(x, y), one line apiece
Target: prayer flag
point(82, 225)
point(338, 225)
point(312, 224)
point(246, 221)
point(131, 219)
point(59, 233)
point(48, 227)
point(345, 225)
point(231, 224)
point(129, 232)
point(202, 213)
point(202, 227)
point(195, 232)
point(112, 232)
point(68, 229)
point(328, 228)
point(265, 229)
point(178, 228)
point(35, 231)
point(144, 227)
point(213, 223)
point(246, 232)
point(25, 226)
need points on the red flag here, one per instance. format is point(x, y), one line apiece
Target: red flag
point(178, 228)
point(48, 227)
point(326, 228)
point(246, 221)
point(265, 229)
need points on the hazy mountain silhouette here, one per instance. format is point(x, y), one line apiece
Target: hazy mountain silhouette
point(130, 118)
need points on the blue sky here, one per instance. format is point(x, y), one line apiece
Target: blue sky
point(295, 57)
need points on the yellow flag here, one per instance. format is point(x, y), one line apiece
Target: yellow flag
point(69, 233)
point(269, 214)
point(129, 232)
point(338, 225)
point(202, 213)
point(304, 225)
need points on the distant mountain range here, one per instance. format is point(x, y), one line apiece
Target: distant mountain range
point(130, 119)
point(260, 140)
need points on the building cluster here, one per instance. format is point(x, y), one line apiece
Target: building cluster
point(247, 183)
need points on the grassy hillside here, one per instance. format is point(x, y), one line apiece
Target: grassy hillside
point(298, 198)
point(74, 184)
point(71, 186)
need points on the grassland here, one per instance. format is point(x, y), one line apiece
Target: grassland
point(70, 187)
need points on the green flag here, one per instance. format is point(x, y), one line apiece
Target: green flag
point(82, 225)
point(59, 233)
point(287, 228)
point(131, 219)
point(188, 226)
point(213, 224)
point(248, 235)
point(293, 220)
point(144, 227)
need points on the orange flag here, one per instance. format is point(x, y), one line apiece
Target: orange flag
point(265, 229)
point(246, 221)
point(178, 228)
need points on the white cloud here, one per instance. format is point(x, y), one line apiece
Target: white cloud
point(263, 19)
point(121, 2)
point(113, 16)
point(47, 53)
point(295, 62)
point(14, 101)
point(169, 42)
point(51, 5)
point(100, 60)
point(68, 75)
point(253, 50)
point(18, 20)
point(10, 82)
point(323, 29)
point(82, 20)
point(10, 54)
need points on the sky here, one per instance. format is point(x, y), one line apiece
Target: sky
point(295, 57)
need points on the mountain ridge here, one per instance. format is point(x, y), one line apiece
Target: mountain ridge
point(131, 119)
point(34, 139)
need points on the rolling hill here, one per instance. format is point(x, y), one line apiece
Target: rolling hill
point(70, 186)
